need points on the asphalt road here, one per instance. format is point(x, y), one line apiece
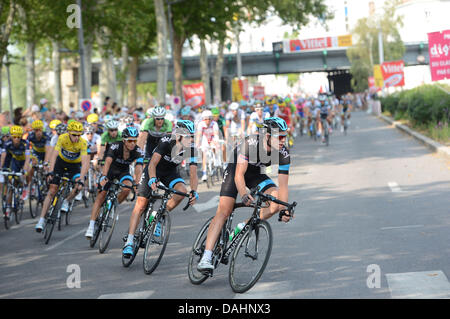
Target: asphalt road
point(373, 222)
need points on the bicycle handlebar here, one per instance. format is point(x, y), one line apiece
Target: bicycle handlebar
point(10, 173)
point(174, 191)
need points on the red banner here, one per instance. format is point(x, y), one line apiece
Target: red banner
point(258, 92)
point(439, 51)
point(393, 74)
point(194, 94)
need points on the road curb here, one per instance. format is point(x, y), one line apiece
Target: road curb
point(431, 144)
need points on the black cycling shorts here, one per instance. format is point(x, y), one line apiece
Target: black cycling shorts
point(62, 168)
point(251, 180)
point(169, 179)
point(116, 173)
point(323, 116)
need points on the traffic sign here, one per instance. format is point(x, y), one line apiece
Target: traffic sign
point(86, 104)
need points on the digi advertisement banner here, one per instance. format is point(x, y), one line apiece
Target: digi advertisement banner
point(439, 52)
point(393, 73)
point(194, 94)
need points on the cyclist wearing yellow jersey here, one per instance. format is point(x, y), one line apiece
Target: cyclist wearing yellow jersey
point(69, 158)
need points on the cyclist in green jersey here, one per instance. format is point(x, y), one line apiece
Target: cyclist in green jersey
point(152, 130)
point(111, 135)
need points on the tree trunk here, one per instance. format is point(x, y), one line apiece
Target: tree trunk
point(132, 82)
point(31, 74)
point(217, 79)
point(123, 76)
point(161, 26)
point(177, 56)
point(57, 74)
point(204, 71)
point(107, 81)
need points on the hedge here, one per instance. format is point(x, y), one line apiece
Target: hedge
point(422, 105)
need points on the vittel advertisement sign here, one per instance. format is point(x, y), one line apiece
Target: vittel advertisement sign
point(393, 73)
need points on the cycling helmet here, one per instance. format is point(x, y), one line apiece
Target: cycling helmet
point(215, 111)
point(16, 131)
point(75, 128)
point(206, 114)
point(5, 130)
point(92, 118)
point(185, 111)
point(37, 125)
point(130, 132)
point(79, 115)
point(61, 128)
point(275, 123)
point(184, 127)
point(112, 125)
point(159, 111)
point(54, 123)
point(43, 101)
point(322, 98)
point(233, 106)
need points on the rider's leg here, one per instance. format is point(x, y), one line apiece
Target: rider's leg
point(176, 199)
point(224, 210)
point(125, 191)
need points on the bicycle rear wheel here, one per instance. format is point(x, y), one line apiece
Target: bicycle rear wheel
point(97, 227)
point(49, 225)
point(198, 248)
point(108, 225)
point(250, 257)
point(33, 195)
point(156, 245)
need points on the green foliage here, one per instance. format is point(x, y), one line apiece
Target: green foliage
point(364, 53)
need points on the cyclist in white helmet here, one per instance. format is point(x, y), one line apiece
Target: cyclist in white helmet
point(111, 135)
point(207, 136)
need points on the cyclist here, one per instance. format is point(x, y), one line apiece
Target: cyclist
point(235, 124)
point(221, 123)
point(110, 136)
point(92, 119)
point(256, 118)
point(250, 157)
point(169, 153)
point(346, 108)
point(323, 114)
point(70, 156)
point(207, 137)
point(93, 141)
point(152, 130)
point(117, 166)
point(271, 106)
point(4, 139)
point(16, 156)
point(40, 146)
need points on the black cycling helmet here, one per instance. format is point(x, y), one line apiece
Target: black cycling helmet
point(130, 132)
point(61, 128)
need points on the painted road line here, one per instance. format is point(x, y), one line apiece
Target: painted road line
point(394, 187)
point(402, 227)
point(129, 295)
point(64, 240)
point(213, 202)
point(268, 290)
point(419, 285)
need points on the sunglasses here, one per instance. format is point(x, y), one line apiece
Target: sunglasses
point(89, 133)
point(75, 134)
point(112, 130)
point(131, 141)
point(159, 118)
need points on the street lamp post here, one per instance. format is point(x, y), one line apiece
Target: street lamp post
point(81, 51)
point(7, 64)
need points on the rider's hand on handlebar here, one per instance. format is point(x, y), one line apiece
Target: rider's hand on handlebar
point(285, 216)
point(247, 199)
point(153, 183)
point(193, 196)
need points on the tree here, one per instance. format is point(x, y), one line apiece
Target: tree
point(365, 54)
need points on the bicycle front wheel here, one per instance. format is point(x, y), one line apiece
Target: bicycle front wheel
point(107, 229)
point(250, 257)
point(198, 248)
point(156, 242)
point(32, 196)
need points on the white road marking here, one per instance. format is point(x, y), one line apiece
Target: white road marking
point(419, 285)
point(129, 295)
point(394, 187)
point(213, 202)
point(402, 227)
point(64, 240)
point(264, 290)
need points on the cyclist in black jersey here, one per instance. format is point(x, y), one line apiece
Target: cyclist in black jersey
point(117, 166)
point(169, 153)
point(248, 170)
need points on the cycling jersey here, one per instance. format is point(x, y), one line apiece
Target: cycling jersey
point(15, 155)
point(154, 136)
point(285, 114)
point(71, 152)
point(208, 132)
point(92, 144)
point(258, 159)
point(254, 118)
point(107, 139)
point(38, 146)
point(270, 110)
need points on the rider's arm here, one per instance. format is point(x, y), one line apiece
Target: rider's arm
point(193, 177)
point(137, 172)
point(48, 152)
point(141, 139)
point(156, 157)
point(283, 192)
point(85, 161)
point(52, 161)
point(3, 159)
point(108, 162)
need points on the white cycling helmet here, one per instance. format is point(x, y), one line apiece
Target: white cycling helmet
point(207, 114)
point(234, 106)
point(159, 111)
point(111, 125)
